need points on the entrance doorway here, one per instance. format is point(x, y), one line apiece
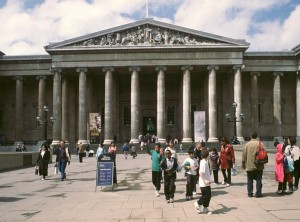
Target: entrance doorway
point(149, 125)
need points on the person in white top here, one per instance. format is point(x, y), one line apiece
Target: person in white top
point(172, 149)
point(293, 151)
point(191, 166)
point(202, 204)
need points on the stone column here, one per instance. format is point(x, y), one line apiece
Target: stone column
point(135, 104)
point(161, 115)
point(82, 108)
point(237, 87)
point(56, 106)
point(212, 104)
point(19, 115)
point(254, 102)
point(41, 104)
point(298, 106)
point(277, 106)
point(65, 110)
point(108, 110)
point(186, 104)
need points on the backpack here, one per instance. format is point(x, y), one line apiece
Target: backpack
point(261, 156)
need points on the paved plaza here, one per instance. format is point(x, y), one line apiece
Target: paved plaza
point(24, 197)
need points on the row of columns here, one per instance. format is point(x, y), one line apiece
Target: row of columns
point(60, 104)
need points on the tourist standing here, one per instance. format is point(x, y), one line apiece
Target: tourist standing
point(279, 168)
point(227, 160)
point(100, 151)
point(62, 158)
point(80, 151)
point(156, 157)
point(214, 157)
point(126, 149)
point(43, 161)
point(254, 172)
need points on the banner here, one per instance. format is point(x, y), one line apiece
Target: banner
point(199, 126)
point(95, 128)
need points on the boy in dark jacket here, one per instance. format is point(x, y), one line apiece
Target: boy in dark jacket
point(169, 166)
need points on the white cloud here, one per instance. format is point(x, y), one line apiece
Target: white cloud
point(27, 31)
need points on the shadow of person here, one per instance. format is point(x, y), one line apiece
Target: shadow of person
point(224, 209)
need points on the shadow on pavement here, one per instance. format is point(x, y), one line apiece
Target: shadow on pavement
point(224, 209)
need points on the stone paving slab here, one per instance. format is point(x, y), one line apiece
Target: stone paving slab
point(24, 197)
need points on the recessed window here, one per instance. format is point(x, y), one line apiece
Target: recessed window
point(171, 115)
point(127, 116)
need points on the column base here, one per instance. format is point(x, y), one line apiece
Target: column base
point(241, 139)
point(213, 139)
point(187, 140)
point(107, 142)
point(135, 141)
point(162, 141)
point(83, 141)
point(18, 142)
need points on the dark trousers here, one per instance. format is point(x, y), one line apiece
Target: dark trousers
point(296, 172)
point(288, 178)
point(216, 176)
point(254, 175)
point(205, 197)
point(227, 178)
point(191, 181)
point(156, 178)
point(62, 168)
point(169, 187)
point(80, 157)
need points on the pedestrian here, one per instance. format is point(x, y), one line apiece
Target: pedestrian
point(279, 168)
point(87, 150)
point(63, 158)
point(43, 161)
point(80, 151)
point(181, 149)
point(191, 166)
point(24, 149)
point(100, 151)
point(214, 157)
point(254, 172)
point(276, 142)
point(172, 149)
point(156, 158)
point(227, 160)
point(202, 204)
point(133, 150)
point(18, 148)
point(126, 149)
point(112, 151)
point(169, 166)
point(293, 151)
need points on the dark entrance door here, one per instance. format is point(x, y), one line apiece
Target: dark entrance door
point(149, 125)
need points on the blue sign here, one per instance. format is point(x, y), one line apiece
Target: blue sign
point(105, 172)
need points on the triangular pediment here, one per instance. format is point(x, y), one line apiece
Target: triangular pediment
point(147, 33)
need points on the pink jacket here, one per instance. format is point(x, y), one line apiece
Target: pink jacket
point(279, 170)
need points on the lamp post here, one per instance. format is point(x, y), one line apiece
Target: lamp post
point(44, 121)
point(234, 120)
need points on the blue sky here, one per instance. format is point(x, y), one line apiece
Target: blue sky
point(29, 25)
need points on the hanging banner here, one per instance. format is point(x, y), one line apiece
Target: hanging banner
point(199, 126)
point(95, 128)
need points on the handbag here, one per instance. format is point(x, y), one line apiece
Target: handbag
point(36, 170)
point(289, 164)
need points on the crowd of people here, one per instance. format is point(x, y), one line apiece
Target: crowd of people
point(198, 167)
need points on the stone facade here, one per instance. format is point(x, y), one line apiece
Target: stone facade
point(149, 70)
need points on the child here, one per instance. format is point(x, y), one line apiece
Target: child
point(204, 183)
point(169, 166)
point(214, 157)
point(279, 168)
point(191, 166)
point(126, 149)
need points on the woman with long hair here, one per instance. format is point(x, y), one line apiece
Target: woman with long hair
point(227, 160)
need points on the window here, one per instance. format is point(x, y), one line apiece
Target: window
point(127, 116)
point(171, 115)
point(193, 109)
point(1, 119)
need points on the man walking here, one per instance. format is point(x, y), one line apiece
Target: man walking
point(254, 172)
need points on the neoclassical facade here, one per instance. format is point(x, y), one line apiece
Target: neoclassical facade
point(149, 70)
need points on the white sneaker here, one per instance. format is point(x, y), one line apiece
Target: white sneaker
point(42, 179)
point(206, 211)
point(194, 193)
point(197, 207)
point(227, 185)
point(171, 200)
point(157, 193)
point(223, 183)
point(168, 201)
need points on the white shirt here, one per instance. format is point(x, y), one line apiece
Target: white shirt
point(173, 152)
point(170, 163)
point(193, 164)
point(204, 168)
point(295, 152)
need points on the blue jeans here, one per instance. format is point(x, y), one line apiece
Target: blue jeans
point(62, 168)
point(254, 175)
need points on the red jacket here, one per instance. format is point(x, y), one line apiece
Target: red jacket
point(227, 157)
point(279, 170)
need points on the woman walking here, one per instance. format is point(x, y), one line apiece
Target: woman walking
point(43, 161)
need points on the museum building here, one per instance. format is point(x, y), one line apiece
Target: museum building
point(149, 71)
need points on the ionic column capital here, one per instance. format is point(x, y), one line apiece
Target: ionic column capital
point(186, 68)
point(18, 78)
point(55, 70)
point(236, 67)
point(158, 68)
point(254, 73)
point(108, 68)
point(277, 74)
point(40, 77)
point(134, 68)
point(81, 69)
point(212, 67)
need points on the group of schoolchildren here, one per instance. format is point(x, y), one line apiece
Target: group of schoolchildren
point(197, 168)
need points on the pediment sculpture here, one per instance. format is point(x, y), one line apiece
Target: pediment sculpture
point(147, 35)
